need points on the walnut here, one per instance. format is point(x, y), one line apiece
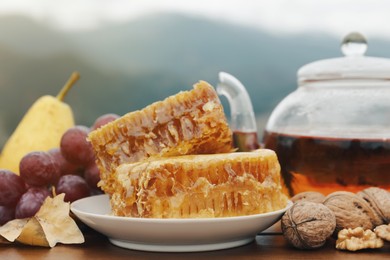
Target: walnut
point(312, 196)
point(351, 211)
point(383, 231)
point(379, 200)
point(307, 224)
point(357, 239)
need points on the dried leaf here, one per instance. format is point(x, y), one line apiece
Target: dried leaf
point(33, 234)
point(56, 223)
point(4, 241)
point(12, 229)
point(50, 225)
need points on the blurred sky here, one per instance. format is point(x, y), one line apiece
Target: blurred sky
point(337, 17)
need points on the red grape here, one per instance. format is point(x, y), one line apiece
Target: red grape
point(31, 202)
point(6, 214)
point(104, 119)
point(96, 191)
point(74, 146)
point(92, 175)
point(12, 188)
point(65, 166)
point(73, 186)
point(39, 169)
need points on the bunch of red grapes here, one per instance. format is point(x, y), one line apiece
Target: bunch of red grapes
point(69, 169)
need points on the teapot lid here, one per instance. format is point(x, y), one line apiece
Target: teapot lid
point(354, 65)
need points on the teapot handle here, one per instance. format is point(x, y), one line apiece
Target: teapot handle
point(243, 122)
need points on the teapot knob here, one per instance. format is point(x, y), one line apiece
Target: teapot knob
point(354, 44)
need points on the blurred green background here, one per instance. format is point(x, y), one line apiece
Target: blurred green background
point(127, 65)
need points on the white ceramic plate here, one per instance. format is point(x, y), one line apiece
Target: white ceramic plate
point(171, 235)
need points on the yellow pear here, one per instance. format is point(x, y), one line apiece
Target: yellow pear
point(40, 129)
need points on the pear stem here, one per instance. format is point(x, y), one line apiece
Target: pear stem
point(68, 85)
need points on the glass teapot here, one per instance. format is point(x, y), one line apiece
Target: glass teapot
point(333, 132)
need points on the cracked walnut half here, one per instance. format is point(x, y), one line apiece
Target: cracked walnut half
point(357, 239)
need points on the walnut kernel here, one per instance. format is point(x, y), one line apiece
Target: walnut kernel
point(357, 239)
point(307, 225)
point(383, 231)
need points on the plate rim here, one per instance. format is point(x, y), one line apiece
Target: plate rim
point(179, 241)
point(74, 204)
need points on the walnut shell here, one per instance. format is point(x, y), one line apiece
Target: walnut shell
point(307, 225)
point(312, 196)
point(379, 200)
point(351, 211)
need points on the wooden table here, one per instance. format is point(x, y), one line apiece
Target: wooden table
point(266, 246)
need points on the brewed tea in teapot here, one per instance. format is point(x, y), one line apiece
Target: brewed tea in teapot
point(333, 132)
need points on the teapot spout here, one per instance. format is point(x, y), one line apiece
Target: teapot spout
point(242, 121)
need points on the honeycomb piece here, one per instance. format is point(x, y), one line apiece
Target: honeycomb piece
point(190, 122)
point(195, 186)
